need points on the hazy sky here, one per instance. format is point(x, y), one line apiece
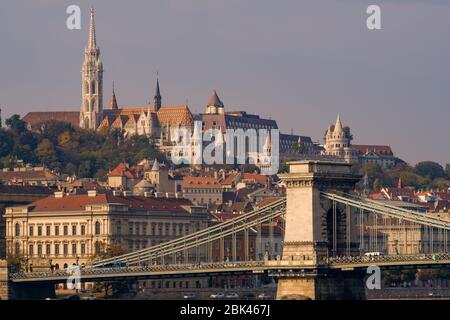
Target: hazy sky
point(300, 62)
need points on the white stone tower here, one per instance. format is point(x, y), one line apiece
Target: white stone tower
point(92, 82)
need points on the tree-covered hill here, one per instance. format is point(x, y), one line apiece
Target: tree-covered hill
point(65, 149)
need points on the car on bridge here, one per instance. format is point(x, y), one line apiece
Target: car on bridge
point(232, 295)
point(189, 296)
point(217, 296)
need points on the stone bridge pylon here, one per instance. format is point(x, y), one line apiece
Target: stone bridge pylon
point(317, 228)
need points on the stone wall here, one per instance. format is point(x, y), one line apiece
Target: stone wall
point(4, 288)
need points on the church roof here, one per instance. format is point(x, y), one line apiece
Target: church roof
point(35, 119)
point(172, 115)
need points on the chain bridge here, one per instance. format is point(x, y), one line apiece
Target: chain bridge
point(330, 237)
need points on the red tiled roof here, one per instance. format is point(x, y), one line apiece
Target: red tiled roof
point(200, 182)
point(259, 178)
point(123, 170)
point(35, 119)
point(28, 175)
point(230, 178)
point(363, 149)
point(80, 201)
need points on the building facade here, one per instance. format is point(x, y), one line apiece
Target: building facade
point(64, 229)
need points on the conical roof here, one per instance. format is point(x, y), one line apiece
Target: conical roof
point(155, 165)
point(215, 100)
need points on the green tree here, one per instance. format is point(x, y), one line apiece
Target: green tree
point(447, 170)
point(47, 154)
point(430, 170)
point(15, 123)
point(6, 143)
point(16, 262)
point(348, 133)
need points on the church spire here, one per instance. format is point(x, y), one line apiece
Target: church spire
point(92, 43)
point(338, 126)
point(92, 82)
point(113, 103)
point(157, 97)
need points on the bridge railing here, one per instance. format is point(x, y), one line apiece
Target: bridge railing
point(205, 235)
point(391, 211)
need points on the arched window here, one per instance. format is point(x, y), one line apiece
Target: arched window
point(97, 227)
point(92, 87)
point(86, 87)
point(17, 229)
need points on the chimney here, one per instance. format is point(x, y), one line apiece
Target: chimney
point(92, 193)
point(59, 194)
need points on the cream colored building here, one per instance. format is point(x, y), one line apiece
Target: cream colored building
point(74, 229)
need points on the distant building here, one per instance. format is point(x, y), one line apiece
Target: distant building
point(338, 144)
point(29, 176)
point(202, 190)
point(13, 195)
point(64, 229)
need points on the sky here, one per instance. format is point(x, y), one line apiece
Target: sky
point(300, 62)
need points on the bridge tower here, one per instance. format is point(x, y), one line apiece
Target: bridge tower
point(316, 229)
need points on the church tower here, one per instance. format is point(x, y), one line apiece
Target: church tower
point(92, 82)
point(157, 98)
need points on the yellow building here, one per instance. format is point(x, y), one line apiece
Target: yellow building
point(64, 229)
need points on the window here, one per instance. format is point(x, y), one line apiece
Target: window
point(97, 227)
point(57, 249)
point(31, 250)
point(74, 248)
point(138, 228)
point(47, 249)
point(130, 228)
point(39, 231)
point(39, 250)
point(83, 230)
point(83, 249)
point(17, 230)
point(66, 230)
point(74, 230)
point(65, 249)
point(56, 230)
point(31, 231)
point(119, 228)
point(47, 230)
point(97, 247)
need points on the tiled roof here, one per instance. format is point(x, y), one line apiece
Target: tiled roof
point(123, 170)
point(172, 115)
point(35, 190)
point(27, 175)
point(230, 178)
point(136, 203)
point(175, 115)
point(34, 119)
point(201, 182)
point(254, 177)
point(363, 149)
